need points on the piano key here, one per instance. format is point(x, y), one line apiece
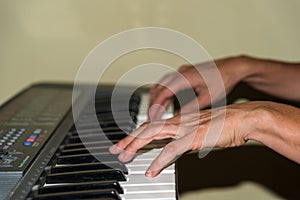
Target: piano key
point(136, 181)
point(96, 147)
point(157, 195)
point(147, 188)
point(97, 137)
point(121, 116)
point(84, 150)
point(100, 133)
point(89, 166)
point(102, 109)
point(120, 100)
point(155, 144)
point(111, 184)
point(112, 123)
point(86, 158)
point(140, 169)
point(137, 185)
point(86, 176)
point(88, 144)
point(87, 194)
point(95, 130)
point(84, 128)
point(106, 143)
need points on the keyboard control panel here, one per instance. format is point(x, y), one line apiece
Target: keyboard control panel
point(26, 123)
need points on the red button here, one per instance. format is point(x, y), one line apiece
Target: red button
point(30, 139)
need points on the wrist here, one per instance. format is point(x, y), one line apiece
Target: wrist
point(262, 122)
point(248, 67)
point(240, 68)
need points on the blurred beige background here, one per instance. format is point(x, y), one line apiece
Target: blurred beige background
point(48, 40)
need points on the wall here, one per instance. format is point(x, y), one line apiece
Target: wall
point(48, 40)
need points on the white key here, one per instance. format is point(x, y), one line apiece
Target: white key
point(138, 186)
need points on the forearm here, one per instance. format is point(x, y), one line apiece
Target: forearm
point(273, 77)
point(278, 127)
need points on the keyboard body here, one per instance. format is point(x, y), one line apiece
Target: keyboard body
point(43, 156)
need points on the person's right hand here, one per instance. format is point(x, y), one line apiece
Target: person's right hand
point(203, 78)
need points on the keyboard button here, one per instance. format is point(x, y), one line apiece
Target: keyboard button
point(27, 143)
point(30, 139)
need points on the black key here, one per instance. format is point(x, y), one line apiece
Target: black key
point(105, 124)
point(100, 133)
point(100, 149)
point(121, 121)
point(96, 130)
point(89, 166)
point(157, 144)
point(97, 137)
point(81, 186)
point(106, 108)
point(87, 194)
point(110, 116)
point(86, 176)
point(86, 158)
point(91, 125)
point(88, 144)
point(122, 115)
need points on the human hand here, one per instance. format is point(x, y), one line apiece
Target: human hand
point(211, 82)
point(193, 131)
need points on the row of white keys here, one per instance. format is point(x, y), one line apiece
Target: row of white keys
point(138, 186)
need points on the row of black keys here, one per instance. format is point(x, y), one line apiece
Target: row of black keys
point(76, 173)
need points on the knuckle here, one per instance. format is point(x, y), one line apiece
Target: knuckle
point(144, 124)
point(131, 148)
point(183, 67)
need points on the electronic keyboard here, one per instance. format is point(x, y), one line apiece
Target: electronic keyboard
point(44, 156)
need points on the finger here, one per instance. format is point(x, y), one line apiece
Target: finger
point(168, 155)
point(158, 130)
point(166, 92)
point(169, 84)
point(159, 104)
point(155, 111)
point(129, 152)
point(163, 94)
point(184, 68)
point(122, 144)
point(203, 100)
point(161, 83)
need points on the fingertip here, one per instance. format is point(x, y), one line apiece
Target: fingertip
point(152, 173)
point(126, 156)
point(149, 174)
point(114, 149)
point(152, 90)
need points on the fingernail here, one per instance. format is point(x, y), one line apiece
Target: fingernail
point(114, 149)
point(149, 174)
point(124, 157)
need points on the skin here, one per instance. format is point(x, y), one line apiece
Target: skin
point(273, 124)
